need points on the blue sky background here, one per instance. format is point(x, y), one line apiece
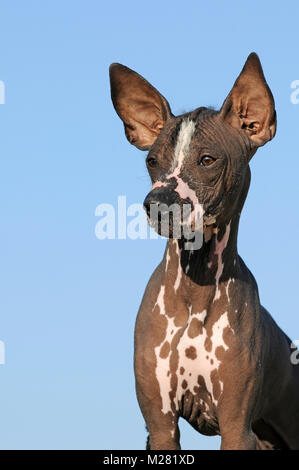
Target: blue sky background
point(68, 300)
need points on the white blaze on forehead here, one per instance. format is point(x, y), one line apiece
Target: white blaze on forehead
point(183, 142)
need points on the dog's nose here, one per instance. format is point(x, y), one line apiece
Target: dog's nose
point(161, 198)
point(150, 201)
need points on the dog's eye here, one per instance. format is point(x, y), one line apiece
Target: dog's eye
point(151, 162)
point(206, 160)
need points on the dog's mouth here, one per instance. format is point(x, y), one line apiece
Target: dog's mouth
point(177, 226)
point(166, 225)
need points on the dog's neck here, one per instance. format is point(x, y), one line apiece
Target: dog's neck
point(217, 259)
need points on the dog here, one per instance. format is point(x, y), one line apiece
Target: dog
point(205, 348)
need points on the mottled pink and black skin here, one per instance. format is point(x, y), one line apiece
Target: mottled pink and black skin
point(205, 348)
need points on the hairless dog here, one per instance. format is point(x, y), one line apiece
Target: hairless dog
point(205, 348)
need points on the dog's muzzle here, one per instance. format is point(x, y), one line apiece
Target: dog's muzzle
point(164, 212)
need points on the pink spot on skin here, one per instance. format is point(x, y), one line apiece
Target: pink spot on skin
point(158, 184)
point(220, 246)
point(185, 192)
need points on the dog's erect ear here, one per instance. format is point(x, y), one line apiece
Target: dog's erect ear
point(250, 104)
point(141, 107)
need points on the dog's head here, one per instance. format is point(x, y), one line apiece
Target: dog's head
point(199, 159)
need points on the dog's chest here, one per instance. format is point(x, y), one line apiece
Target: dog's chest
point(199, 354)
point(188, 361)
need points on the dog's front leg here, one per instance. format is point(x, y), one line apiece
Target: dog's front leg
point(238, 439)
point(235, 415)
point(162, 424)
point(155, 381)
point(163, 436)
